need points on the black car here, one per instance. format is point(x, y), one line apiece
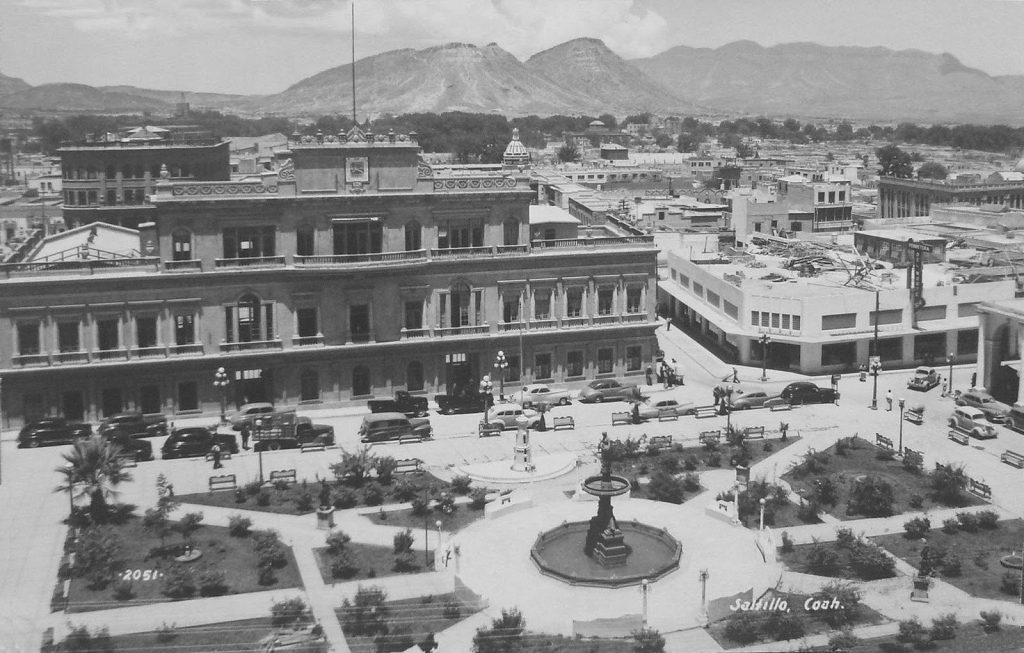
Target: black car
point(140, 450)
point(464, 402)
point(196, 441)
point(134, 424)
point(52, 430)
point(805, 392)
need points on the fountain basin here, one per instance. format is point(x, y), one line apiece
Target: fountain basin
point(558, 553)
point(600, 486)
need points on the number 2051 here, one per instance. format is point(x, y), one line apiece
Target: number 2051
point(140, 574)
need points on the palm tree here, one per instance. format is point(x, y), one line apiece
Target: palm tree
point(94, 468)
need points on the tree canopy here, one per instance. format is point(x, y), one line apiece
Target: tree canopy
point(932, 170)
point(894, 162)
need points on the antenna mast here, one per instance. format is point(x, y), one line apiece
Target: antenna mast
point(354, 63)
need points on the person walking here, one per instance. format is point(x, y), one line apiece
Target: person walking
point(735, 376)
point(216, 456)
point(718, 394)
point(649, 375)
point(888, 400)
point(245, 436)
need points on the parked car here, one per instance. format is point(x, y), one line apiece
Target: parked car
point(538, 393)
point(972, 420)
point(608, 390)
point(505, 416)
point(403, 402)
point(925, 378)
point(134, 424)
point(805, 392)
point(749, 400)
point(140, 450)
point(653, 407)
point(52, 430)
point(247, 413)
point(995, 411)
point(1015, 419)
point(379, 427)
point(196, 441)
point(463, 402)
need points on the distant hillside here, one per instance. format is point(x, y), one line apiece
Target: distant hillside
point(11, 85)
point(173, 97)
point(79, 97)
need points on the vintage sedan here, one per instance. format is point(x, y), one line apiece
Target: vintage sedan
point(505, 416)
point(995, 411)
point(52, 430)
point(653, 407)
point(608, 390)
point(537, 394)
point(749, 400)
point(134, 424)
point(925, 378)
point(196, 441)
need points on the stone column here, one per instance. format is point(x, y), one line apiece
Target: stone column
point(523, 461)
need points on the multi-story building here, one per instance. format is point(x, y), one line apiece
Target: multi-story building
point(798, 208)
point(352, 271)
point(907, 198)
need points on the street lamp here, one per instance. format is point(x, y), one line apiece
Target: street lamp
point(762, 513)
point(950, 359)
point(501, 365)
point(643, 587)
point(875, 367)
point(764, 340)
point(902, 403)
point(220, 381)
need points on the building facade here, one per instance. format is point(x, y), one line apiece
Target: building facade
point(353, 271)
point(907, 198)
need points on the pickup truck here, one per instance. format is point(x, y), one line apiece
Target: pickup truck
point(284, 430)
point(403, 402)
point(467, 402)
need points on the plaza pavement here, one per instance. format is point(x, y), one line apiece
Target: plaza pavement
point(31, 531)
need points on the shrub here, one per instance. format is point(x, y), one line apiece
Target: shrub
point(691, 482)
point(988, 519)
point(240, 495)
point(870, 563)
point(405, 562)
point(885, 454)
point(871, 496)
point(912, 632)
point(252, 488)
point(452, 610)
point(714, 459)
point(477, 498)
point(742, 627)
point(403, 541)
point(950, 526)
point(166, 633)
point(337, 542)
point(787, 542)
point(303, 502)
point(842, 447)
point(783, 625)
point(265, 576)
point(404, 491)
point(814, 462)
point(990, 620)
point(947, 484)
point(178, 582)
point(446, 504)
point(952, 565)
point(420, 506)
point(690, 462)
point(460, 485)
point(123, 590)
point(263, 498)
point(848, 598)
point(212, 582)
point(825, 491)
point(670, 464)
point(238, 526)
point(944, 627)
point(395, 639)
point(808, 512)
point(344, 498)
point(917, 527)
point(843, 641)
point(373, 494)
point(822, 559)
point(97, 556)
point(665, 487)
point(385, 468)
point(768, 446)
point(270, 552)
point(916, 501)
point(344, 565)
point(354, 468)
point(80, 639)
point(913, 462)
point(288, 612)
point(1010, 583)
point(845, 538)
point(968, 521)
point(281, 485)
point(932, 559)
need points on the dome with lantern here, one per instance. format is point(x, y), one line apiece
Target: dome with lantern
point(515, 153)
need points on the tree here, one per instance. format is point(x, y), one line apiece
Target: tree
point(188, 525)
point(366, 614)
point(947, 483)
point(894, 162)
point(504, 635)
point(354, 468)
point(648, 640)
point(94, 468)
point(568, 153)
point(687, 142)
point(157, 520)
point(872, 497)
point(609, 120)
point(932, 170)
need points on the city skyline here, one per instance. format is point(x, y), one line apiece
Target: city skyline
point(264, 46)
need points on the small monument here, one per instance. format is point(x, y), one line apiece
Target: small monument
point(325, 511)
point(523, 461)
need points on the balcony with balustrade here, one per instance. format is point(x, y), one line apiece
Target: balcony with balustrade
point(250, 346)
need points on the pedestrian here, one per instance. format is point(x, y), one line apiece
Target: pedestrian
point(974, 380)
point(668, 323)
point(863, 373)
point(245, 436)
point(888, 399)
point(648, 374)
point(735, 376)
point(677, 378)
point(216, 456)
point(636, 412)
point(718, 394)
point(671, 377)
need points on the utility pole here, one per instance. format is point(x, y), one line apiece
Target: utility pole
point(354, 123)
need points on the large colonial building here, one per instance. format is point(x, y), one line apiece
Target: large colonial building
point(907, 198)
point(352, 271)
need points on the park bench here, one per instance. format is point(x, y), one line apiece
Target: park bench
point(705, 411)
point(224, 455)
point(563, 422)
point(710, 437)
point(283, 476)
point(408, 466)
point(412, 438)
point(308, 447)
point(487, 430)
point(960, 437)
point(668, 415)
point(783, 405)
point(660, 443)
point(908, 450)
point(979, 489)
point(225, 482)
point(882, 441)
point(1012, 458)
point(753, 433)
point(622, 418)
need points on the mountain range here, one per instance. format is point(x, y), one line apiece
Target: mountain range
point(803, 80)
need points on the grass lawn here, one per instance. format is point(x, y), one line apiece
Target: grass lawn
point(463, 516)
point(979, 554)
point(541, 643)
point(372, 562)
point(860, 460)
point(409, 621)
point(798, 560)
point(810, 621)
point(139, 551)
point(229, 636)
point(970, 638)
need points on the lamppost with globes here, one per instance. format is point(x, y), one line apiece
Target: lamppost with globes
point(220, 381)
point(950, 358)
point(762, 513)
point(764, 340)
point(501, 365)
point(437, 547)
point(903, 402)
point(875, 367)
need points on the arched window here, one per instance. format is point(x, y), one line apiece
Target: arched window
point(309, 386)
point(304, 240)
point(511, 230)
point(414, 376)
point(249, 319)
point(413, 236)
point(181, 245)
point(360, 381)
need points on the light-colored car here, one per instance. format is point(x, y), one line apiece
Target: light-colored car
point(536, 394)
point(925, 378)
point(749, 400)
point(505, 416)
point(249, 412)
point(608, 390)
point(995, 411)
point(654, 406)
point(972, 420)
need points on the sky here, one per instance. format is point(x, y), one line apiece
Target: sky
point(264, 46)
